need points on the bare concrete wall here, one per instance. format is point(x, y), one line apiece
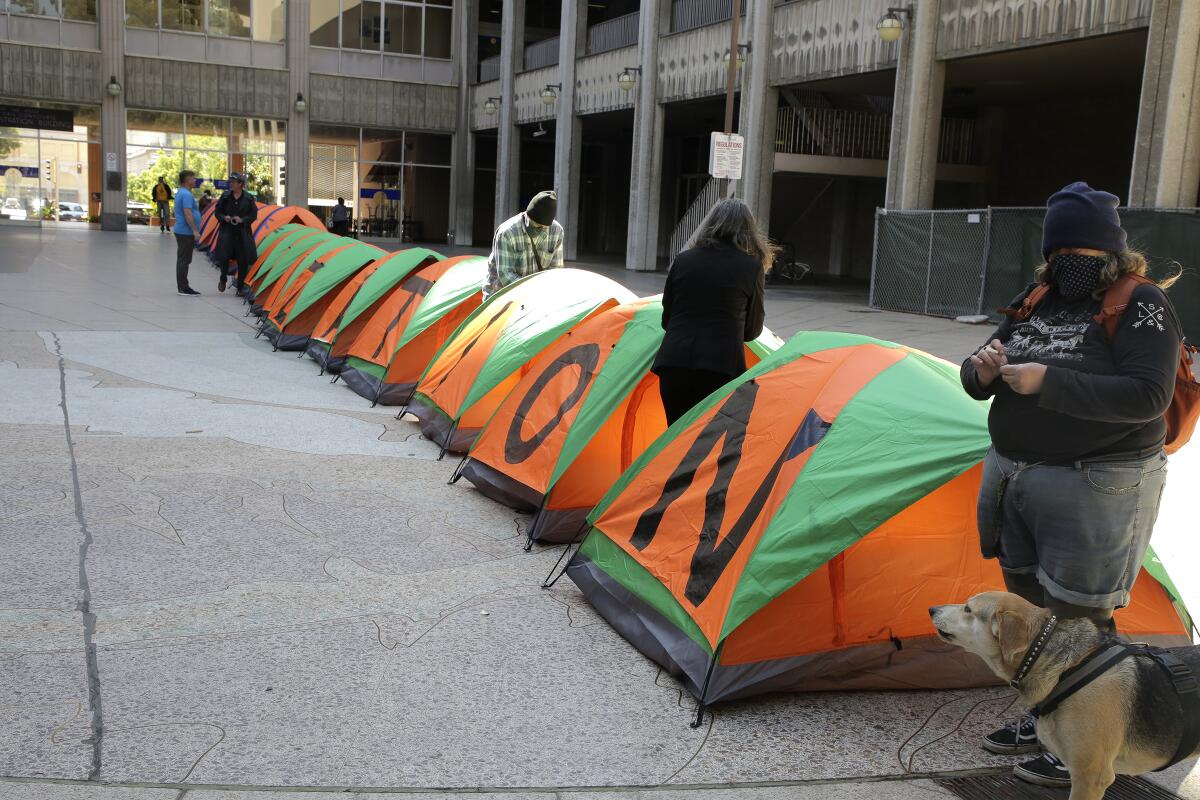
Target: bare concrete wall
point(168, 85)
point(828, 38)
point(970, 27)
point(387, 104)
point(49, 73)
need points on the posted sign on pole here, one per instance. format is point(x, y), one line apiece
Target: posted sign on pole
point(725, 156)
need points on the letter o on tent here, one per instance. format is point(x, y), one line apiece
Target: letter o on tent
point(584, 356)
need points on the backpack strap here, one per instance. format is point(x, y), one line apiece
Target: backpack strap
point(1116, 300)
point(1025, 311)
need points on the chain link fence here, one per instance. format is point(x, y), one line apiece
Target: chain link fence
point(949, 263)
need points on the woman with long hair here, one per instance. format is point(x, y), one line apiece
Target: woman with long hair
point(712, 305)
point(1079, 389)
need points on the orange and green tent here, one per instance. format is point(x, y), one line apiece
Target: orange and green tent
point(485, 358)
point(586, 409)
point(452, 298)
point(277, 246)
point(274, 239)
point(301, 304)
point(369, 352)
point(791, 531)
point(334, 318)
point(282, 265)
point(272, 217)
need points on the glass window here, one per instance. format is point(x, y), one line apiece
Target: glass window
point(383, 145)
point(352, 24)
point(141, 13)
point(269, 19)
point(183, 15)
point(323, 23)
point(427, 148)
point(229, 17)
point(45, 8)
point(83, 10)
point(154, 128)
point(207, 133)
point(403, 33)
point(372, 26)
point(259, 136)
point(438, 31)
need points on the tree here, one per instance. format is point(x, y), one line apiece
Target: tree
point(9, 141)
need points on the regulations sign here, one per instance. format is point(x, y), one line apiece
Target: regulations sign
point(47, 119)
point(725, 155)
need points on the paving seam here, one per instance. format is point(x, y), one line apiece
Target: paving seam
point(588, 789)
point(84, 602)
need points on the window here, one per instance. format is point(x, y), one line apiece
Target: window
point(82, 10)
point(261, 19)
point(183, 15)
point(229, 18)
point(44, 8)
point(406, 27)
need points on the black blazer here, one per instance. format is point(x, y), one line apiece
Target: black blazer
point(712, 304)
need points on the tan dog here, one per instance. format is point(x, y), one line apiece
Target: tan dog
point(1127, 721)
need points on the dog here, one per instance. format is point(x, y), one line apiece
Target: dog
point(1129, 720)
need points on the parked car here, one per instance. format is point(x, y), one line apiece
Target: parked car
point(72, 212)
point(12, 209)
point(138, 213)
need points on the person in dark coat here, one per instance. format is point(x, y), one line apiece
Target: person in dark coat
point(712, 305)
point(235, 212)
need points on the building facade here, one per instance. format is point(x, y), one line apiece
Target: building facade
point(436, 119)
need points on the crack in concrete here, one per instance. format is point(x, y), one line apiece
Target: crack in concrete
point(84, 603)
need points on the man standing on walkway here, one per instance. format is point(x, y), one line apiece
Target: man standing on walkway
point(162, 202)
point(187, 230)
point(235, 239)
point(529, 242)
point(340, 218)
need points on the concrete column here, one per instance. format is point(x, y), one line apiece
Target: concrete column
point(916, 112)
point(568, 127)
point(297, 157)
point(759, 105)
point(111, 14)
point(1166, 155)
point(839, 244)
point(508, 147)
point(462, 164)
point(645, 185)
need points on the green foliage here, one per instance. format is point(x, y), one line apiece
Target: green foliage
point(8, 141)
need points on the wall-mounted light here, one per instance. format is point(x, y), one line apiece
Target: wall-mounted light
point(549, 95)
point(301, 106)
point(627, 78)
point(113, 88)
point(741, 56)
point(890, 26)
point(491, 106)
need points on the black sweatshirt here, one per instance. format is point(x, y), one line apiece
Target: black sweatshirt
point(1101, 398)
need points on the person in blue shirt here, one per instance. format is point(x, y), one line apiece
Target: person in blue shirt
point(186, 230)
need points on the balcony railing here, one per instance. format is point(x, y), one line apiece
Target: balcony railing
point(613, 34)
point(688, 14)
point(541, 54)
point(489, 69)
point(862, 134)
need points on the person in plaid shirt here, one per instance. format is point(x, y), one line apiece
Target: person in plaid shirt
point(529, 242)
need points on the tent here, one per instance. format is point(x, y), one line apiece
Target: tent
point(306, 297)
point(588, 406)
point(286, 255)
point(368, 352)
point(288, 269)
point(276, 238)
point(451, 299)
point(483, 360)
point(334, 317)
point(791, 531)
point(270, 217)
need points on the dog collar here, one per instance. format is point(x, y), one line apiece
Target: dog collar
point(1035, 650)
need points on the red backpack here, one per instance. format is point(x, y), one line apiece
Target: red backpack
point(1184, 410)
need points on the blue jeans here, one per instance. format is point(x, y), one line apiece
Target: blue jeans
point(1080, 530)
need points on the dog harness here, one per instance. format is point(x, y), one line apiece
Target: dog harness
point(1107, 656)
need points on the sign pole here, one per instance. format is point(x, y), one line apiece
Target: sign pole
point(731, 75)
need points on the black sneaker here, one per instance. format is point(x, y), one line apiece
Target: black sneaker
point(1045, 770)
point(189, 292)
point(221, 283)
point(1014, 738)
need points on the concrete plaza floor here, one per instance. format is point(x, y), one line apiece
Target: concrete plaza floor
point(256, 586)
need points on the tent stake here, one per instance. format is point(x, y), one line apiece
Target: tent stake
point(700, 704)
point(547, 582)
point(403, 411)
point(335, 378)
point(449, 438)
point(458, 471)
point(529, 535)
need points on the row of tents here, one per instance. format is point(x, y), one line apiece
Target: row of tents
point(789, 533)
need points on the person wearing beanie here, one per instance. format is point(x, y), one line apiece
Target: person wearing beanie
point(529, 242)
point(1072, 482)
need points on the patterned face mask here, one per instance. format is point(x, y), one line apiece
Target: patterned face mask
point(1076, 276)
